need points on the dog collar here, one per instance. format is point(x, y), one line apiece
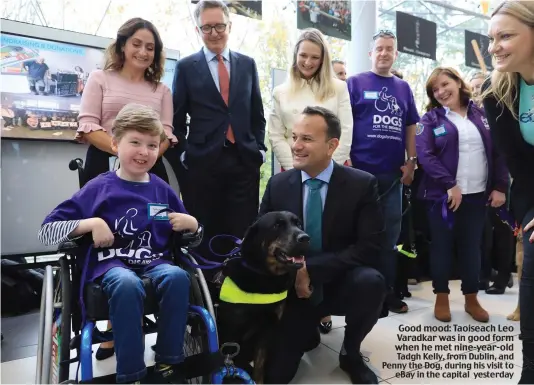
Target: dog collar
point(231, 293)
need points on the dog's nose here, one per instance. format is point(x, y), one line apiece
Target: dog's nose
point(301, 238)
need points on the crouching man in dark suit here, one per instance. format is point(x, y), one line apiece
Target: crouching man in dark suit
point(340, 210)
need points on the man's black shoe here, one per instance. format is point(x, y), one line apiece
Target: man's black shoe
point(357, 369)
point(495, 290)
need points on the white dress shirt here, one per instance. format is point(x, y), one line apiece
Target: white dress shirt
point(472, 173)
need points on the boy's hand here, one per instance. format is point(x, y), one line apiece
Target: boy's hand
point(102, 235)
point(181, 222)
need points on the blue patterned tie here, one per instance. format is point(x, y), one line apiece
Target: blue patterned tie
point(313, 227)
point(314, 215)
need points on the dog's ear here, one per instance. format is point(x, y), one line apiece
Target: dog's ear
point(249, 240)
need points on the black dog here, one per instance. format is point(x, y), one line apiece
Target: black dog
point(252, 296)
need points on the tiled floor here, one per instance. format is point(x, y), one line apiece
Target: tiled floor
point(321, 365)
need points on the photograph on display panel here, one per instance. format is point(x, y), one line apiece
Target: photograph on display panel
point(43, 83)
point(250, 9)
point(42, 86)
point(332, 18)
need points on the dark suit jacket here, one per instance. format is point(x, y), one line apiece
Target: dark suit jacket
point(518, 154)
point(195, 93)
point(353, 222)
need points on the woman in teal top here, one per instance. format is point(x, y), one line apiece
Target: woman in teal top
point(509, 101)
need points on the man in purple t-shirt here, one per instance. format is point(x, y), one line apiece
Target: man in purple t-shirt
point(383, 144)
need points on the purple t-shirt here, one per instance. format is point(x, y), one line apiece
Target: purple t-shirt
point(382, 108)
point(126, 207)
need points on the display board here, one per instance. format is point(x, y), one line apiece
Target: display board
point(416, 36)
point(278, 77)
point(252, 9)
point(332, 18)
point(470, 55)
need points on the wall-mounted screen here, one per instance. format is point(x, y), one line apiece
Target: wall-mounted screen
point(332, 18)
point(42, 85)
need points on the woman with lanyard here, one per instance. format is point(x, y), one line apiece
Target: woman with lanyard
point(509, 101)
point(132, 73)
point(461, 175)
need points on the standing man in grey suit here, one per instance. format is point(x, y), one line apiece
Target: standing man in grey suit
point(224, 148)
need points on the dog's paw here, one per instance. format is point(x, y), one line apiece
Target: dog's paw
point(515, 316)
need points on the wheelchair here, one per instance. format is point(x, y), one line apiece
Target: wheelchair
point(61, 316)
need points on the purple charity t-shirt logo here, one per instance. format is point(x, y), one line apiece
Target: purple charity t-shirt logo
point(388, 115)
point(138, 251)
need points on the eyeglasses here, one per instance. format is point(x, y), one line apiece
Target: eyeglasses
point(207, 29)
point(384, 32)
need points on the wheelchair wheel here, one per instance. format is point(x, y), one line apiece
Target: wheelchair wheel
point(63, 313)
point(44, 341)
point(196, 334)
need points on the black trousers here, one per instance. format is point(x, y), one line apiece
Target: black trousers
point(97, 162)
point(358, 296)
point(466, 234)
point(498, 249)
point(224, 197)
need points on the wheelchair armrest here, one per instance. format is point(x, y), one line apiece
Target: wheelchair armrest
point(68, 246)
point(73, 244)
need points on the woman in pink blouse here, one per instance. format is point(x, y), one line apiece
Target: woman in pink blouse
point(132, 73)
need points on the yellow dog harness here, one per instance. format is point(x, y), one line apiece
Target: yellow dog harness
point(231, 293)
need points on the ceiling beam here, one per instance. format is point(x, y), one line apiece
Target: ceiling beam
point(466, 12)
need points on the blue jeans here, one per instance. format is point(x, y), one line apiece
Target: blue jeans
point(125, 291)
point(466, 235)
point(526, 286)
point(390, 190)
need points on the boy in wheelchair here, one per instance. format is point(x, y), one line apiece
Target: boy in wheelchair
point(124, 211)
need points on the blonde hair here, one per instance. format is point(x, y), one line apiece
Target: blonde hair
point(465, 90)
point(114, 55)
point(504, 86)
point(136, 117)
point(324, 77)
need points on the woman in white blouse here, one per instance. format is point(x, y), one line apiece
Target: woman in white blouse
point(311, 82)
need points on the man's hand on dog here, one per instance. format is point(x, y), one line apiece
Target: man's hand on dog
point(302, 283)
point(181, 222)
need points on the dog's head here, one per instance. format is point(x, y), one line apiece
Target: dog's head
point(275, 243)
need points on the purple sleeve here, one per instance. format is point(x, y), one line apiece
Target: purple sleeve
point(412, 117)
point(354, 92)
point(426, 153)
point(76, 208)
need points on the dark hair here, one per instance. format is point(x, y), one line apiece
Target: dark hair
point(333, 125)
point(115, 55)
point(397, 74)
point(465, 90)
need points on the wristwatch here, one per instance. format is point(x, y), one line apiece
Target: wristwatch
point(412, 159)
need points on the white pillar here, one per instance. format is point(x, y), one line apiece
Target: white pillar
point(364, 26)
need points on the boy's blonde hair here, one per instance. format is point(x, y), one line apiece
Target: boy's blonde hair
point(136, 117)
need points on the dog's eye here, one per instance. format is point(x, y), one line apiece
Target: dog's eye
point(278, 224)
